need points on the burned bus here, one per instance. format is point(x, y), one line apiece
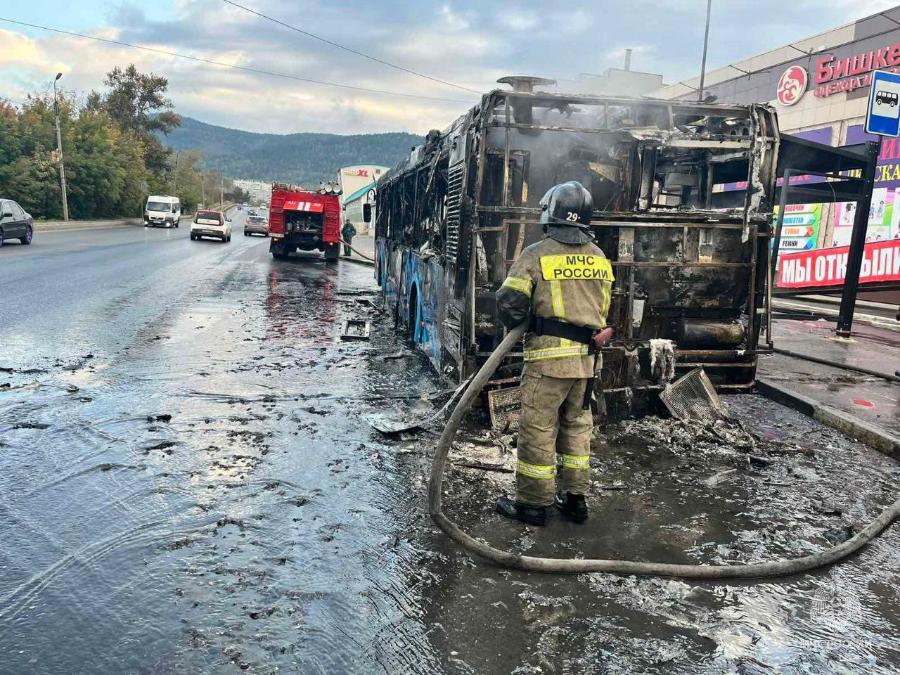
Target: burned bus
point(455, 214)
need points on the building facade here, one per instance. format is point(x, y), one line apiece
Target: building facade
point(260, 191)
point(820, 87)
point(356, 181)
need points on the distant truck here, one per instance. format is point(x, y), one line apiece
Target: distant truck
point(162, 210)
point(305, 220)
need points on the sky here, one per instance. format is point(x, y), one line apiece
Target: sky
point(469, 43)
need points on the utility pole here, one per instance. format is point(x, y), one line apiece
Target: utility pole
point(203, 188)
point(175, 177)
point(222, 191)
point(705, 47)
point(59, 150)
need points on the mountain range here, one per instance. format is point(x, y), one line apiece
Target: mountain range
point(303, 158)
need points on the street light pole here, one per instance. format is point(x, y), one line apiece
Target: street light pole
point(62, 166)
point(705, 47)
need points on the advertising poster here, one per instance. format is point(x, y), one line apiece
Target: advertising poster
point(884, 219)
point(800, 228)
point(826, 267)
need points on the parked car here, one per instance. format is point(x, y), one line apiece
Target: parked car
point(208, 223)
point(256, 225)
point(15, 222)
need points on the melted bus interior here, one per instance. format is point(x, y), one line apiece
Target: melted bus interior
point(460, 209)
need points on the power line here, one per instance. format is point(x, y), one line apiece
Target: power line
point(348, 49)
point(222, 64)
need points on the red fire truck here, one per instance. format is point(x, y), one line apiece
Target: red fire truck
point(307, 220)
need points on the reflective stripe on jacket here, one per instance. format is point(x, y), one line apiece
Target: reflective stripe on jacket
point(569, 282)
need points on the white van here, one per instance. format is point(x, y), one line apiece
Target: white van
point(162, 210)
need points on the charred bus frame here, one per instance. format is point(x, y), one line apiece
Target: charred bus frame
point(456, 213)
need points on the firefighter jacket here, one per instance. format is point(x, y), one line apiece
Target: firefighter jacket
point(567, 282)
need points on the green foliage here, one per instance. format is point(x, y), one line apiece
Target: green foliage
point(134, 99)
point(113, 158)
point(115, 152)
point(305, 159)
point(185, 178)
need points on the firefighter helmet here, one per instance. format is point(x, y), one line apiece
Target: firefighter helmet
point(567, 204)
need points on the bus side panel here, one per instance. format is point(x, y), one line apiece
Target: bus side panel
point(391, 277)
point(423, 283)
point(400, 272)
point(381, 262)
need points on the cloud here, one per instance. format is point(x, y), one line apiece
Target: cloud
point(519, 20)
point(468, 42)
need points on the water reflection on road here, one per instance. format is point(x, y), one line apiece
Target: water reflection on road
point(261, 526)
point(191, 486)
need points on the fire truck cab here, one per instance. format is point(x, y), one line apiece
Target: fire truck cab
point(305, 220)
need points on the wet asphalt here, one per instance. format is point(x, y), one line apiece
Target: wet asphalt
point(257, 527)
point(188, 484)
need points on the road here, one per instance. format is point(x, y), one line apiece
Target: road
point(188, 484)
point(253, 527)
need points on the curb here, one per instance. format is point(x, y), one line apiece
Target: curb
point(866, 432)
point(97, 225)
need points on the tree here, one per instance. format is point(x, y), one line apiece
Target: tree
point(105, 168)
point(137, 101)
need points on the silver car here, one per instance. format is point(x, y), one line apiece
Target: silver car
point(256, 225)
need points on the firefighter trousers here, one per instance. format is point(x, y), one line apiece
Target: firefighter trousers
point(554, 438)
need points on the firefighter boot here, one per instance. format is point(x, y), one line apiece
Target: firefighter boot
point(527, 513)
point(573, 507)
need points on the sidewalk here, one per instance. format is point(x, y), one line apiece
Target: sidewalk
point(863, 396)
point(365, 244)
point(62, 226)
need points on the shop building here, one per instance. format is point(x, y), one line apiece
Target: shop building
point(820, 87)
point(356, 181)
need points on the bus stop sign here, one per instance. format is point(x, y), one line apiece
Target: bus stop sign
point(883, 117)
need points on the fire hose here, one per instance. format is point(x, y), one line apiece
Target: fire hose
point(361, 255)
point(512, 560)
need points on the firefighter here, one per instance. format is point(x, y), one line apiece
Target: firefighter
point(562, 284)
point(347, 235)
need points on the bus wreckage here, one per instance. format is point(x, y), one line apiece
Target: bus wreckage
point(456, 213)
